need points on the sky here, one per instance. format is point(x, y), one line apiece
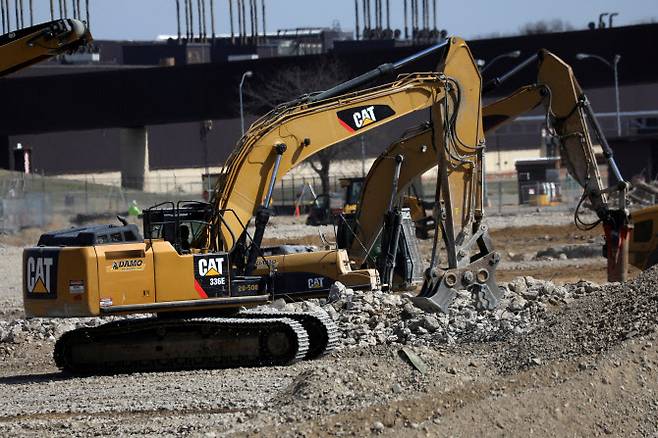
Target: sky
point(146, 19)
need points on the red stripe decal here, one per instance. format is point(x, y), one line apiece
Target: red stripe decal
point(199, 289)
point(345, 125)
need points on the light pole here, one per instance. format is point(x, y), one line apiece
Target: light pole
point(613, 66)
point(513, 54)
point(246, 74)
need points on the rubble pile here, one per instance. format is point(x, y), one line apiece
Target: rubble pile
point(376, 318)
point(609, 316)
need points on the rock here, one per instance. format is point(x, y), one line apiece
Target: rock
point(378, 426)
point(279, 304)
point(530, 294)
point(535, 361)
point(562, 256)
point(430, 323)
point(410, 311)
point(336, 292)
point(518, 285)
point(517, 304)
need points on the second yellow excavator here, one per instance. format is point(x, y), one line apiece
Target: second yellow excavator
point(570, 119)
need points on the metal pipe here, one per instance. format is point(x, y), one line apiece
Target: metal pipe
point(434, 13)
point(18, 24)
point(256, 20)
point(495, 82)
point(78, 9)
point(375, 73)
point(388, 15)
point(396, 178)
point(205, 21)
point(356, 15)
point(262, 5)
point(200, 19)
point(5, 16)
point(230, 19)
point(413, 19)
point(187, 21)
point(615, 62)
point(238, 5)
point(61, 12)
point(245, 75)
point(406, 29)
point(212, 19)
point(607, 150)
point(244, 22)
point(379, 14)
point(280, 149)
point(31, 14)
point(178, 18)
point(87, 14)
point(22, 15)
point(191, 20)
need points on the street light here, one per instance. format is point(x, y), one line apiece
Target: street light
point(513, 54)
point(613, 66)
point(246, 74)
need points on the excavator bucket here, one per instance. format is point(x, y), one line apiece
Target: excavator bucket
point(479, 278)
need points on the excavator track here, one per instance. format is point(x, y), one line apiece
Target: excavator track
point(322, 331)
point(153, 344)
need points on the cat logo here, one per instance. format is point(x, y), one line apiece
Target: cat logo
point(316, 283)
point(364, 117)
point(41, 273)
point(211, 267)
point(354, 119)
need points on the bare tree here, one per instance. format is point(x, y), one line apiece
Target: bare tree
point(544, 26)
point(289, 84)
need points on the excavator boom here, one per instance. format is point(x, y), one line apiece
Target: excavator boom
point(24, 47)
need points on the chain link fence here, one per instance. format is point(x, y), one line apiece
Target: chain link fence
point(35, 201)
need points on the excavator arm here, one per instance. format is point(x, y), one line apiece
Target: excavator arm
point(571, 122)
point(570, 118)
point(295, 131)
point(22, 48)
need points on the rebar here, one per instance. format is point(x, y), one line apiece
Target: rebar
point(406, 29)
point(356, 15)
point(212, 19)
point(198, 5)
point(230, 19)
point(177, 18)
point(262, 5)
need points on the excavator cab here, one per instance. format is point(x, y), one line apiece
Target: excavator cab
point(182, 224)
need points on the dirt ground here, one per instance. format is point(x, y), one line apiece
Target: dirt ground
point(588, 369)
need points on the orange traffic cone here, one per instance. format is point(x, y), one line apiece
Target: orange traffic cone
point(297, 214)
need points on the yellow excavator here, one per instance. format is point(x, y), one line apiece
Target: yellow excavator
point(198, 264)
point(24, 47)
point(570, 119)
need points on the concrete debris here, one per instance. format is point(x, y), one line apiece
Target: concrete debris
point(408, 355)
point(371, 318)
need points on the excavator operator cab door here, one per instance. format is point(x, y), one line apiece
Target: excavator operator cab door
point(181, 225)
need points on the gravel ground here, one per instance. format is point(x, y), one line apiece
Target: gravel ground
point(573, 359)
